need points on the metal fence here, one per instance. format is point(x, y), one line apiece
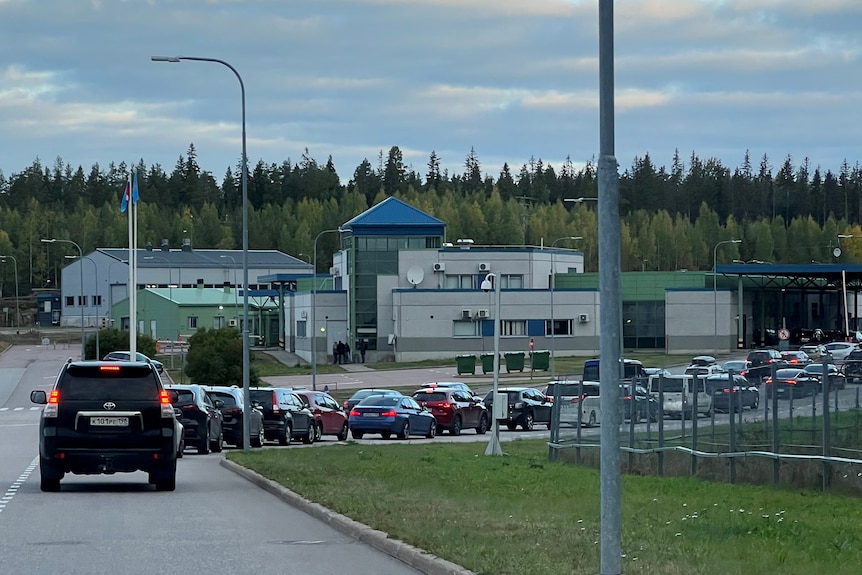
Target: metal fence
point(811, 439)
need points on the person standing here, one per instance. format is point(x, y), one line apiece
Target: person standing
point(363, 347)
point(339, 351)
point(334, 352)
point(346, 352)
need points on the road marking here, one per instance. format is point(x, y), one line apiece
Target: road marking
point(13, 489)
point(18, 409)
point(4, 409)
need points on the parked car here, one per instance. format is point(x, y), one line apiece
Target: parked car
point(792, 382)
point(632, 368)
point(795, 358)
point(657, 371)
point(454, 409)
point(814, 350)
point(200, 417)
point(527, 406)
point(285, 417)
point(638, 404)
point(231, 408)
point(762, 362)
point(682, 395)
point(737, 366)
point(837, 380)
point(391, 414)
point(449, 384)
point(704, 370)
point(739, 395)
point(329, 417)
point(840, 350)
point(125, 355)
point(363, 393)
point(853, 366)
point(110, 418)
point(575, 395)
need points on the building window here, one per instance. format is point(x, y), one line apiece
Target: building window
point(82, 300)
point(301, 328)
point(218, 322)
point(513, 327)
point(70, 300)
point(97, 300)
point(461, 328)
point(511, 281)
point(561, 327)
point(454, 281)
point(193, 322)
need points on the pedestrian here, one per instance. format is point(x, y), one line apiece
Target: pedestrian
point(334, 352)
point(363, 347)
point(346, 352)
point(339, 351)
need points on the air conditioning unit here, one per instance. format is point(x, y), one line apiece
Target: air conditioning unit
point(231, 323)
point(335, 272)
point(465, 314)
point(482, 314)
point(439, 267)
point(484, 267)
point(584, 318)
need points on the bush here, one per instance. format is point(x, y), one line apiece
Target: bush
point(215, 358)
point(112, 339)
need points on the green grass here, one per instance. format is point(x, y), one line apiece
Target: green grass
point(523, 514)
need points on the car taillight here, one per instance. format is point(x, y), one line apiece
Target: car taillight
point(354, 413)
point(790, 381)
point(165, 404)
point(109, 368)
point(53, 404)
point(390, 413)
point(446, 405)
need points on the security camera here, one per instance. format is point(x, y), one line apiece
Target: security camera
point(487, 286)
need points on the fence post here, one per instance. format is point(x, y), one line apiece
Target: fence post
point(694, 415)
point(826, 467)
point(661, 425)
point(731, 410)
point(776, 444)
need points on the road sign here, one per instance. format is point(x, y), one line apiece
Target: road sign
point(783, 334)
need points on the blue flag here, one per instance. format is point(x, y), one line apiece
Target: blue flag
point(135, 188)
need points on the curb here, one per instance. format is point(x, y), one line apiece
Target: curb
point(412, 556)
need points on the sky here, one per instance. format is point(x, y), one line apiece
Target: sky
point(514, 80)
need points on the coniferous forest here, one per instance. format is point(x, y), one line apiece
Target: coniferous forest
point(673, 217)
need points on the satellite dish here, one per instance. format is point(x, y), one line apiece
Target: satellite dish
point(415, 275)
point(836, 252)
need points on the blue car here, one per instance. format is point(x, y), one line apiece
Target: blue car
point(388, 414)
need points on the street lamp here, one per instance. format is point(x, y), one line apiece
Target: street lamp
point(314, 309)
point(96, 278)
point(491, 280)
point(246, 359)
point(17, 309)
point(80, 253)
point(580, 200)
point(300, 254)
point(235, 304)
point(553, 284)
point(715, 291)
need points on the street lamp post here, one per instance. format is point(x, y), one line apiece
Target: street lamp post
point(17, 308)
point(235, 304)
point(492, 280)
point(246, 356)
point(96, 278)
point(553, 285)
point(80, 301)
point(314, 309)
point(300, 254)
point(715, 291)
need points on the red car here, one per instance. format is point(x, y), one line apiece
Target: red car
point(329, 417)
point(454, 409)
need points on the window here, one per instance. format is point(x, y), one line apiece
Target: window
point(513, 327)
point(561, 327)
point(97, 300)
point(218, 322)
point(510, 281)
point(193, 322)
point(82, 300)
point(455, 281)
point(70, 300)
point(301, 328)
point(465, 328)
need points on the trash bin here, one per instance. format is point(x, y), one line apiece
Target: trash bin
point(514, 361)
point(466, 364)
point(487, 362)
point(541, 360)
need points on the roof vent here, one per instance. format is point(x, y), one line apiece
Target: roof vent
point(166, 246)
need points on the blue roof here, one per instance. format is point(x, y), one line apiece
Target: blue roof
point(393, 217)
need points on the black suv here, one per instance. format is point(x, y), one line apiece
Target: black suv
point(285, 416)
point(526, 407)
point(762, 361)
point(200, 417)
point(106, 417)
point(231, 398)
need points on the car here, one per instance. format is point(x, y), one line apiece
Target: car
point(792, 382)
point(391, 414)
point(574, 395)
point(737, 366)
point(853, 366)
point(762, 362)
point(704, 370)
point(657, 371)
point(682, 396)
point(285, 416)
point(200, 415)
point(125, 355)
point(638, 404)
point(329, 417)
point(814, 350)
point(840, 350)
point(527, 406)
point(449, 384)
point(739, 395)
point(363, 393)
point(837, 379)
point(107, 417)
point(632, 368)
point(454, 409)
point(795, 358)
point(231, 408)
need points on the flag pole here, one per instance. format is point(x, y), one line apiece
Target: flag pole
point(133, 276)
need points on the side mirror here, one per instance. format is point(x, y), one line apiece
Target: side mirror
point(178, 412)
point(218, 403)
point(39, 396)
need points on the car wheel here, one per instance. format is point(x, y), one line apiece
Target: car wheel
point(528, 421)
point(288, 432)
point(455, 428)
point(432, 430)
point(356, 434)
point(483, 425)
point(342, 436)
point(204, 444)
point(181, 448)
point(257, 440)
point(591, 422)
point(318, 431)
point(309, 436)
point(165, 480)
point(218, 443)
point(50, 477)
point(405, 431)
point(385, 435)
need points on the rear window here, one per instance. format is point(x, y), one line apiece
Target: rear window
point(362, 394)
point(567, 389)
point(669, 385)
point(261, 396)
point(433, 396)
point(127, 383)
point(182, 396)
point(381, 400)
point(228, 399)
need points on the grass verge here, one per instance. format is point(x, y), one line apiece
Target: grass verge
point(523, 514)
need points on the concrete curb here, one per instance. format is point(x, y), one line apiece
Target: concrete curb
point(412, 556)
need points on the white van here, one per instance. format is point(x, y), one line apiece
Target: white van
point(679, 395)
point(570, 401)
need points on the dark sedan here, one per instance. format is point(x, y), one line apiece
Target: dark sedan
point(740, 395)
point(640, 403)
point(200, 417)
point(837, 380)
point(391, 414)
point(792, 382)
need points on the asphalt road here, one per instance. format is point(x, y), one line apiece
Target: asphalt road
point(215, 522)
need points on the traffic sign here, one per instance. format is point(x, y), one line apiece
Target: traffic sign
point(783, 334)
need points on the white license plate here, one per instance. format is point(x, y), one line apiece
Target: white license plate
point(109, 421)
point(371, 415)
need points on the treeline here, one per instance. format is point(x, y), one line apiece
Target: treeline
point(672, 218)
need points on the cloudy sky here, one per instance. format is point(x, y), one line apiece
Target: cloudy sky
point(512, 79)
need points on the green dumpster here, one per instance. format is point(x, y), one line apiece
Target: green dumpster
point(540, 360)
point(514, 361)
point(466, 363)
point(487, 362)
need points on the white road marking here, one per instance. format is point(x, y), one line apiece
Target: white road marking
point(13, 489)
point(18, 409)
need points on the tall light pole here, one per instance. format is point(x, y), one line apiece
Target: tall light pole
point(235, 304)
point(491, 280)
point(300, 254)
point(553, 284)
point(80, 253)
point(246, 356)
point(314, 309)
point(17, 308)
point(715, 291)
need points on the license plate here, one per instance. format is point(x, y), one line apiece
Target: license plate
point(371, 415)
point(109, 421)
